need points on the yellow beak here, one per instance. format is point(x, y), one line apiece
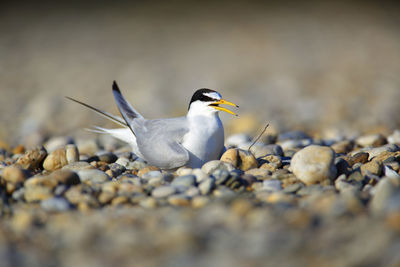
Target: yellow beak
point(224, 102)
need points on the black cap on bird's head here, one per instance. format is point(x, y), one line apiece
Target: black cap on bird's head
point(213, 98)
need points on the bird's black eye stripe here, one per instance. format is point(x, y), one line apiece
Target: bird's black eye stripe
point(199, 95)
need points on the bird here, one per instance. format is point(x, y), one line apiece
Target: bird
point(170, 143)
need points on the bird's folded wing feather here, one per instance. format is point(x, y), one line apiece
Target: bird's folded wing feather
point(161, 143)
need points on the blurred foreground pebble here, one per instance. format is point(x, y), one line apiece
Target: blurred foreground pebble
point(292, 195)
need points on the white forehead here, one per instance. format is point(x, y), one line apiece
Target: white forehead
point(213, 95)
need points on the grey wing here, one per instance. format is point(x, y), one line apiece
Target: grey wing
point(160, 142)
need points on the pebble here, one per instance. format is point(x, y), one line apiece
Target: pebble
point(184, 171)
point(163, 191)
point(115, 169)
point(341, 184)
point(200, 201)
point(200, 175)
point(41, 181)
point(343, 147)
point(66, 177)
point(237, 140)
point(394, 138)
point(37, 193)
point(382, 194)
point(122, 161)
point(87, 146)
point(19, 149)
point(288, 145)
point(361, 157)
point(32, 159)
point(372, 140)
point(57, 142)
point(214, 165)
point(293, 188)
point(373, 167)
point(93, 176)
point(55, 204)
point(221, 176)
point(147, 169)
point(76, 166)
point(137, 164)
point(342, 166)
point(373, 152)
point(14, 175)
point(260, 150)
point(179, 200)
point(55, 160)
point(185, 181)
point(239, 158)
point(192, 191)
point(272, 185)
point(206, 186)
point(152, 174)
point(71, 153)
point(108, 157)
point(260, 173)
point(314, 164)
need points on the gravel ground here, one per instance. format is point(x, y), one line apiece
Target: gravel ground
point(294, 199)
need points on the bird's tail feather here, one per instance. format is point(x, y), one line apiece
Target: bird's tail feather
point(123, 134)
point(105, 114)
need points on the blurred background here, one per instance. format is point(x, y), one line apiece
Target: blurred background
point(312, 66)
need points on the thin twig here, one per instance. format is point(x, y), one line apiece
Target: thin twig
point(258, 137)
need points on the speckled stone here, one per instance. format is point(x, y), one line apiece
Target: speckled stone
point(374, 167)
point(32, 159)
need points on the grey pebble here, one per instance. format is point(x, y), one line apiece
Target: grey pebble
point(163, 191)
point(262, 150)
point(293, 188)
point(18, 194)
point(122, 161)
point(78, 165)
point(137, 164)
point(55, 204)
point(221, 176)
point(152, 174)
point(214, 165)
point(272, 185)
point(186, 180)
point(383, 192)
point(60, 189)
point(116, 169)
point(207, 186)
point(93, 175)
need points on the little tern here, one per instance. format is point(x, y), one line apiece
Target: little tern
point(170, 143)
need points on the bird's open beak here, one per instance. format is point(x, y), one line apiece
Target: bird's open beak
point(224, 102)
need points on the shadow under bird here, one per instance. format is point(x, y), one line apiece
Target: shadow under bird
point(170, 143)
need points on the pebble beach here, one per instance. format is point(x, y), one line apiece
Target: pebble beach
point(292, 200)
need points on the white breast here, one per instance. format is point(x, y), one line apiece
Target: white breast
point(205, 139)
